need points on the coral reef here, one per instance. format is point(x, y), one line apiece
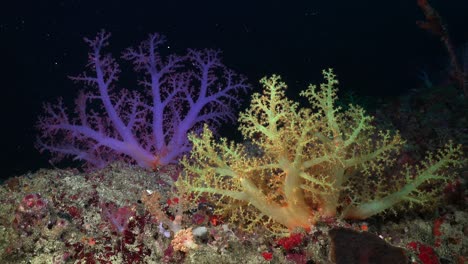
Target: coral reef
point(100, 217)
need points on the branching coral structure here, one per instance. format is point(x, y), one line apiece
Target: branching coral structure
point(311, 163)
point(149, 125)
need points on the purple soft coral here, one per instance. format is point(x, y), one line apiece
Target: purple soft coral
point(180, 94)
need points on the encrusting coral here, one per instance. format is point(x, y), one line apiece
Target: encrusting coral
point(316, 162)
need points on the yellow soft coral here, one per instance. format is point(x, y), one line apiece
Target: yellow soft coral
point(312, 162)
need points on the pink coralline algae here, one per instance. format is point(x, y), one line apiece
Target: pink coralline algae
point(426, 254)
point(31, 212)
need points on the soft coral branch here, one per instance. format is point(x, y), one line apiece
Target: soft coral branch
point(436, 26)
